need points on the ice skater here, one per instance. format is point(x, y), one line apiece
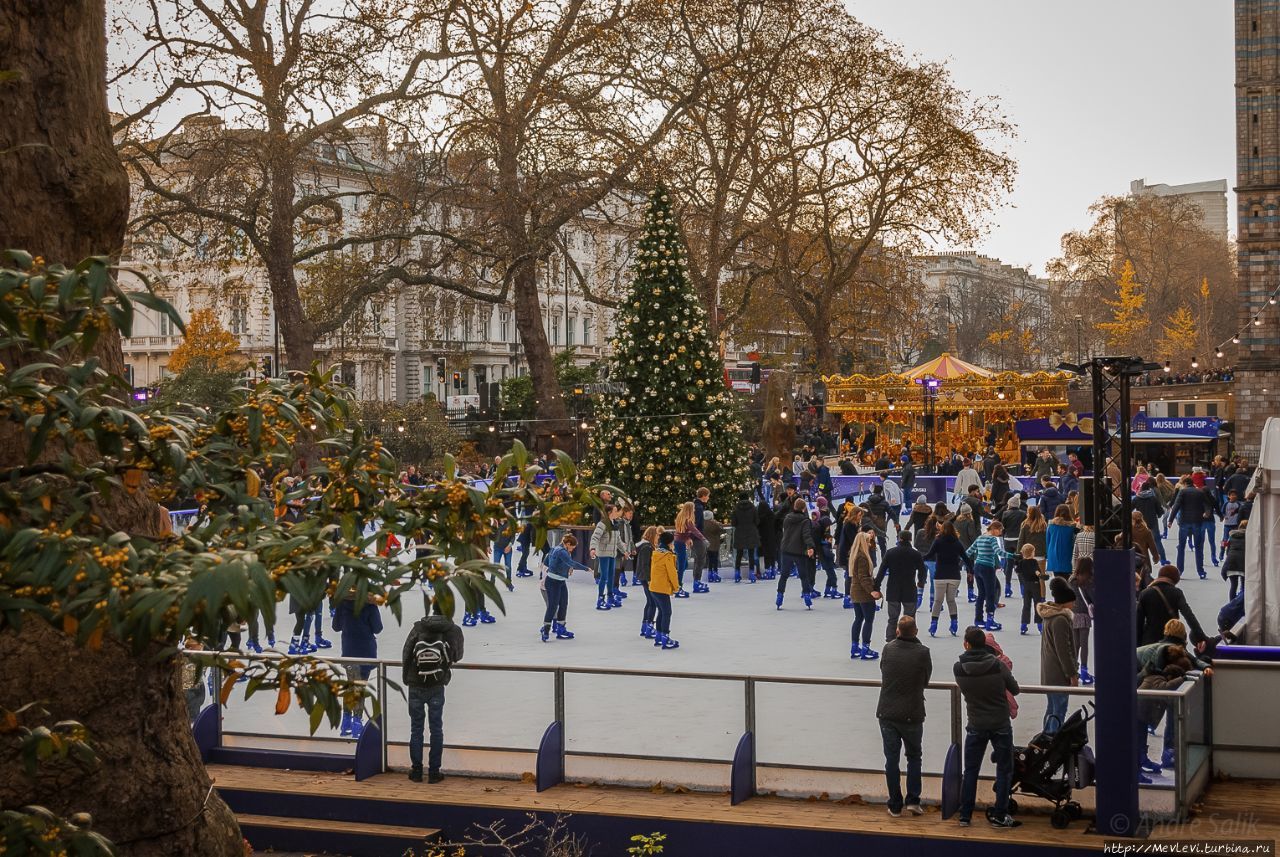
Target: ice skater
point(664, 582)
point(556, 581)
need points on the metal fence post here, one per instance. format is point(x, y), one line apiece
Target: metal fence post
point(559, 706)
point(382, 713)
point(1180, 761)
point(957, 722)
point(749, 709)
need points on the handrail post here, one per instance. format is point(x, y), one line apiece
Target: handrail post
point(382, 713)
point(559, 713)
point(957, 727)
point(749, 704)
point(1180, 760)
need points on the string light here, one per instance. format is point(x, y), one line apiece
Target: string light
point(891, 405)
point(493, 426)
point(684, 420)
point(400, 426)
point(1166, 366)
point(1218, 353)
point(1195, 364)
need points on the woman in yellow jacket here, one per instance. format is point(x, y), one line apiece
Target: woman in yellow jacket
point(663, 583)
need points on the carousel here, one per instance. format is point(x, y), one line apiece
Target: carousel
point(945, 403)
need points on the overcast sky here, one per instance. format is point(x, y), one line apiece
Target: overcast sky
point(1102, 92)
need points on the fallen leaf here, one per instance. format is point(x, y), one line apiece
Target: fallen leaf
point(528, 777)
point(657, 788)
point(680, 790)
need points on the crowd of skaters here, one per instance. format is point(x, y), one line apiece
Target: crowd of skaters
point(883, 554)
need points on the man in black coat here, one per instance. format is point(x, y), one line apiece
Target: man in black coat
point(1162, 601)
point(797, 549)
point(907, 574)
point(905, 669)
point(1193, 507)
point(983, 681)
point(426, 692)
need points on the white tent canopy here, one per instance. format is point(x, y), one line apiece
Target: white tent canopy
point(1262, 547)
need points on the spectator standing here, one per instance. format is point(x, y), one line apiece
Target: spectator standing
point(905, 669)
point(1058, 665)
point(983, 681)
point(434, 645)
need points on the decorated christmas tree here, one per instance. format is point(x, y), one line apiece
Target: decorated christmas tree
point(670, 428)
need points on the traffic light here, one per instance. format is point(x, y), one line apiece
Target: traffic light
point(266, 367)
point(755, 374)
point(440, 376)
point(457, 380)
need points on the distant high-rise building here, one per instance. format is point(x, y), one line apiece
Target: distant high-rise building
point(1258, 217)
point(1210, 197)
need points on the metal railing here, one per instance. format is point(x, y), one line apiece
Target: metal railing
point(1189, 719)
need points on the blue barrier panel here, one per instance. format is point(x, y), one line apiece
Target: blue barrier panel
point(549, 767)
point(207, 730)
point(1115, 632)
point(1248, 653)
point(368, 760)
point(742, 777)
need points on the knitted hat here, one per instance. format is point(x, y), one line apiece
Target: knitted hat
point(822, 502)
point(1061, 593)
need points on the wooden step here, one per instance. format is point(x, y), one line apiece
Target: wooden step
point(355, 838)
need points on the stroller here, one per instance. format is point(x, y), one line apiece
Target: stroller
point(1052, 765)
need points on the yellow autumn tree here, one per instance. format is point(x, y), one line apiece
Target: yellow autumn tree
point(1180, 335)
point(207, 346)
point(1129, 319)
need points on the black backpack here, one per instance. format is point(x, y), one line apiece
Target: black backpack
point(432, 660)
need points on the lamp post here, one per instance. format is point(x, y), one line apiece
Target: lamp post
point(929, 391)
point(1079, 335)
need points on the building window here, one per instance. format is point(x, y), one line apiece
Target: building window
point(586, 330)
point(555, 330)
point(569, 331)
point(167, 327)
point(1255, 119)
point(239, 316)
point(1211, 409)
point(504, 325)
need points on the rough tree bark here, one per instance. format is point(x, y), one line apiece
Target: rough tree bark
point(66, 197)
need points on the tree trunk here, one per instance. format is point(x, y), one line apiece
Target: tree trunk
point(546, 388)
point(824, 350)
point(296, 331)
point(66, 197)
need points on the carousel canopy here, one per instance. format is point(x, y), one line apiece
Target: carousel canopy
point(946, 367)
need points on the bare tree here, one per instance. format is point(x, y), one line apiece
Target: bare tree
point(280, 138)
point(900, 156)
point(726, 143)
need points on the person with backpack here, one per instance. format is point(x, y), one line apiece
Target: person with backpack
point(434, 645)
point(1161, 601)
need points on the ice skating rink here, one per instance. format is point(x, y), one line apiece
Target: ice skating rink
point(733, 630)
